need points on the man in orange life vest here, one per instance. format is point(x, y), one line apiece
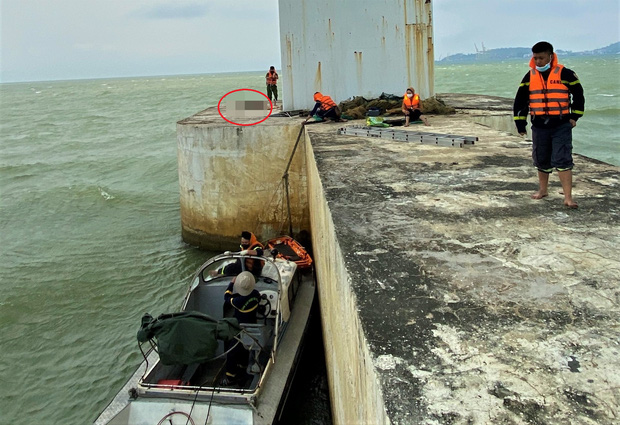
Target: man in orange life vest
point(412, 107)
point(272, 80)
point(250, 246)
point(553, 97)
point(325, 108)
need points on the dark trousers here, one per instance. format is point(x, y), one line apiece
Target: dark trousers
point(272, 91)
point(236, 360)
point(414, 115)
point(332, 113)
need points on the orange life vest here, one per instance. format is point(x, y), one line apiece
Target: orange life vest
point(255, 266)
point(549, 97)
point(272, 78)
point(413, 103)
point(326, 102)
point(254, 243)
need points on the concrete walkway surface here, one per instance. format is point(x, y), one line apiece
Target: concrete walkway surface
point(478, 304)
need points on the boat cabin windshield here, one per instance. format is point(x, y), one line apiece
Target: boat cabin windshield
point(231, 266)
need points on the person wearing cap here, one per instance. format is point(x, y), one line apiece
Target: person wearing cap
point(242, 296)
point(272, 81)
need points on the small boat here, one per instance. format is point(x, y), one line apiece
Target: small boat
point(180, 379)
point(289, 249)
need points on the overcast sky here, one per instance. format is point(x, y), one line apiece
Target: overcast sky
point(73, 39)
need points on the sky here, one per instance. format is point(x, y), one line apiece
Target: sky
point(76, 39)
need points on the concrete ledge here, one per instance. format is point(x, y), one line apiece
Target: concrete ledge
point(448, 296)
point(230, 180)
point(355, 391)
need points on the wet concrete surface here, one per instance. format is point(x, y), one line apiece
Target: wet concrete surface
point(479, 304)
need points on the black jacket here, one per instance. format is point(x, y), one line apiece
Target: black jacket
point(522, 101)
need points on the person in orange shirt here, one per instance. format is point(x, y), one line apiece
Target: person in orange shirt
point(412, 107)
point(325, 108)
point(272, 80)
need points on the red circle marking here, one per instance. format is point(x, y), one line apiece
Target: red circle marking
point(236, 123)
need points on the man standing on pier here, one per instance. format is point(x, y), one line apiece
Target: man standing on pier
point(272, 84)
point(553, 96)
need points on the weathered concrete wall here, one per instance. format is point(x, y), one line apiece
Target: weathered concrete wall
point(354, 388)
point(501, 121)
point(354, 48)
point(230, 180)
point(491, 111)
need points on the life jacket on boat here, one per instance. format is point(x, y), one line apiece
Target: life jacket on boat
point(255, 266)
point(289, 249)
point(254, 243)
point(326, 102)
point(413, 103)
point(549, 97)
point(272, 78)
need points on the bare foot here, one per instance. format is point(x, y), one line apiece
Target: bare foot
point(425, 122)
point(539, 195)
point(571, 204)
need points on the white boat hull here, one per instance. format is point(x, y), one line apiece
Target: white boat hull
point(136, 406)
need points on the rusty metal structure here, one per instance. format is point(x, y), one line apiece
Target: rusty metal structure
point(354, 48)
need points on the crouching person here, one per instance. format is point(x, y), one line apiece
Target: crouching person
point(325, 108)
point(412, 108)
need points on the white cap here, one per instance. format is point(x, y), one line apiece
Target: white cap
point(244, 284)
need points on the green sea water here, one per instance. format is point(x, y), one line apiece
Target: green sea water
point(90, 227)
point(597, 134)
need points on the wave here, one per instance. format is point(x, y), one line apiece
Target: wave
point(104, 194)
point(603, 112)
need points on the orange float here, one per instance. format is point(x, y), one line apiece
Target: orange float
point(289, 249)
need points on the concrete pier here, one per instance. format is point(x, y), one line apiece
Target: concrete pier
point(230, 180)
point(447, 295)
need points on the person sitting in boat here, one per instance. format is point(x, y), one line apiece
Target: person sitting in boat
point(412, 108)
point(243, 299)
point(249, 246)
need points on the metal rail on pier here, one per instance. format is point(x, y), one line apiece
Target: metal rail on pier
point(450, 140)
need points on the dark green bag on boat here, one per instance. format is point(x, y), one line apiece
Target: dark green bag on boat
point(187, 337)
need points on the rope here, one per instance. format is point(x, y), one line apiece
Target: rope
point(284, 183)
point(189, 419)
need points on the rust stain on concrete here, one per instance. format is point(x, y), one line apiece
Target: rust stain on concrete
point(318, 79)
point(360, 68)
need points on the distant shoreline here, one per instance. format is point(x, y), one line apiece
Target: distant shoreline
point(506, 53)
point(482, 57)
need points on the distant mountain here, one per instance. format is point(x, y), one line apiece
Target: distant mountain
point(504, 53)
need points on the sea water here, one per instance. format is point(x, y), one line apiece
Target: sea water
point(90, 227)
